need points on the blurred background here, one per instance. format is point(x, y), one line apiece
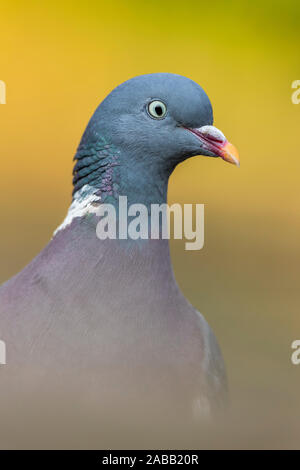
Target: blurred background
point(60, 59)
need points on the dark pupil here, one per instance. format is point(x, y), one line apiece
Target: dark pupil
point(158, 110)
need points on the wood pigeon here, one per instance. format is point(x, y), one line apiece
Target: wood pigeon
point(105, 319)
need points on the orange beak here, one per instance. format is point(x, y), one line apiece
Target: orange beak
point(230, 154)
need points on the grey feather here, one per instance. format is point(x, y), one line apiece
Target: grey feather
point(108, 316)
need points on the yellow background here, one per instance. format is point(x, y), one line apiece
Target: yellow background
point(60, 59)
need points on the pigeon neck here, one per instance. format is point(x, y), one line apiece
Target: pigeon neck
point(96, 168)
point(102, 174)
point(105, 172)
point(144, 185)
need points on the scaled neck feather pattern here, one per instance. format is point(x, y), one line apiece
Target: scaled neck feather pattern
point(95, 179)
point(96, 166)
point(102, 173)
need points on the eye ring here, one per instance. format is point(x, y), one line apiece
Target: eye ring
point(157, 109)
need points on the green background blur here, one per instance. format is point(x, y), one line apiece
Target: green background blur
point(60, 59)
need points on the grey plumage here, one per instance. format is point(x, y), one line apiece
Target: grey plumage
point(107, 316)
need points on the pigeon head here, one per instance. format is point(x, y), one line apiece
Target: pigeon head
point(142, 130)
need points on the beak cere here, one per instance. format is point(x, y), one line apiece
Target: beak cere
point(215, 142)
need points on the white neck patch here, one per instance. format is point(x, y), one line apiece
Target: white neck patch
point(83, 204)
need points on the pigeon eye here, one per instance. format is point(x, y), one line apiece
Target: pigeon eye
point(157, 109)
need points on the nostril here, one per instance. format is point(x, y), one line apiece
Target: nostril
point(212, 133)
